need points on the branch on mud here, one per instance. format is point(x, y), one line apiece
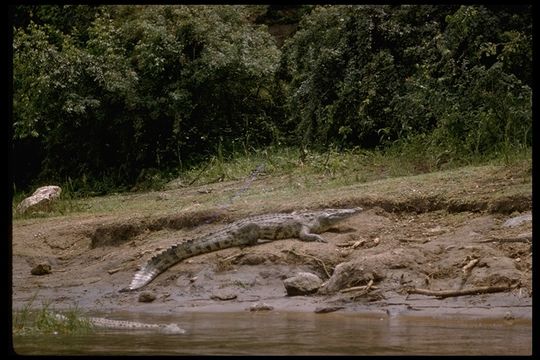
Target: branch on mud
point(323, 265)
point(112, 271)
point(360, 291)
point(365, 288)
point(199, 174)
point(353, 245)
point(472, 291)
point(233, 257)
point(467, 268)
point(522, 238)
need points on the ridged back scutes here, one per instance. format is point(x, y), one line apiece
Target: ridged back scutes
point(308, 218)
point(260, 219)
point(108, 323)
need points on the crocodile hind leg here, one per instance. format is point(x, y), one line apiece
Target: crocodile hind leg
point(306, 235)
point(250, 234)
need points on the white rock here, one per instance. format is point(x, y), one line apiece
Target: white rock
point(303, 283)
point(40, 199)
point(518, 220)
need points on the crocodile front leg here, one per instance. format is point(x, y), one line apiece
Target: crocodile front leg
point(306, 235)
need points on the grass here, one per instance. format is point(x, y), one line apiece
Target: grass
point(30, 321)
point(283, 174)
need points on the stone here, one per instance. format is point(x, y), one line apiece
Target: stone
point(260, 306)
point(223, 295)
point(41, 269)
point(518, 220)
point(359, 271)
point(303, 283)
point(147, 297)
point(41, 199)
point(327, 309)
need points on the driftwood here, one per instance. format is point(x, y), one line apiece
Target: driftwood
point(357, 288)
point(471, 291)
point(522, 239)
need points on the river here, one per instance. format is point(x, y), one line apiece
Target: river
point(296, 333)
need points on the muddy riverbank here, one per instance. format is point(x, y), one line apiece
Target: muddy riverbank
point(383, 255)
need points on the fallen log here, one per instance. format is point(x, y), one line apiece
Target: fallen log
point(521, 239)
point(471, 291)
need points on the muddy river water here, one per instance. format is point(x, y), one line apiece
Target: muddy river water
point(282, 333)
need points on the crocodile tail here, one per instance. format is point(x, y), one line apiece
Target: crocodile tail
point(159, 263)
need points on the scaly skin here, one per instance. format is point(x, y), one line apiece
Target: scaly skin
point(245, 232)
point(128, 325)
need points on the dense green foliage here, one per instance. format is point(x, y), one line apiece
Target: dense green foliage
point(112, 95)
point(152, 87)
point(368, 75)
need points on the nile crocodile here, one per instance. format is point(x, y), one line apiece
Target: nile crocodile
point(127, 325)
point(305, 226)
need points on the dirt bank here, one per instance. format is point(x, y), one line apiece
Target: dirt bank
point(384, 254)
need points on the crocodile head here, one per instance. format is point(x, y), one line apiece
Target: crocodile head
point(329, 217)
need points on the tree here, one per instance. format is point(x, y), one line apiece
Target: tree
point(151, 87)
point(369, 75)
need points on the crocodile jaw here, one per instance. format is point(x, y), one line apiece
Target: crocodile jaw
point(335, 215)
point(329, 217)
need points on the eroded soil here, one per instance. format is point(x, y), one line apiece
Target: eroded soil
point(93, 257)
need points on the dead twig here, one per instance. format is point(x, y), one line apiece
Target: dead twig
point(421, 241)
point(365, 291)
point(199, 174)
point(353, 244)
point(469, 266)
point(233, 257)
point(312, 257)
point(357, 288)
point(523, 239)
point(112, 271)
point(450, 293)
point(358, 243)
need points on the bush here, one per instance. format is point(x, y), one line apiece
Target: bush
point(125, 91)
point(370, 75)
point(152, 87)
